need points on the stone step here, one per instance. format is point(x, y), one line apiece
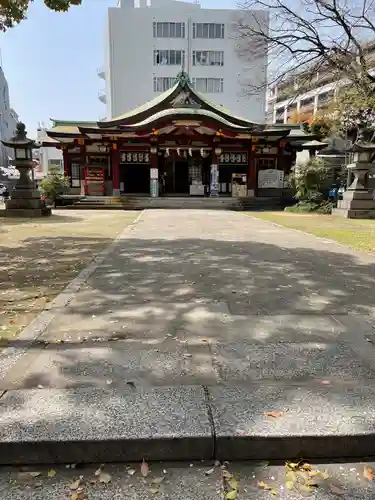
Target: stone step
point(83, 425)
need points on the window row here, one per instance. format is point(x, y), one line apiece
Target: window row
point(178, 30)
point(200, 57)
point(204, 85)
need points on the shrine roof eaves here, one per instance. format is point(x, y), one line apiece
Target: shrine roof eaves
point(178, 113)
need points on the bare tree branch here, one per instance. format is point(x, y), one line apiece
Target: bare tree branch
point(302, 37)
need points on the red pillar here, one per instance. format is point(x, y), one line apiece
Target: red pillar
point(65, 162)
point(115, 170)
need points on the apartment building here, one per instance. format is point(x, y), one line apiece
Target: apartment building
point(148, 44)
point(300, 96)
point(8, 120)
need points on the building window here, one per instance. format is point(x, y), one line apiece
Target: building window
point(76, 174)
point(169, 30)
point(163, 83)
point(208, 85)
point(55, 163)
point(169, 57)
point(308, 101)
point(208, 58)
point(208, 30)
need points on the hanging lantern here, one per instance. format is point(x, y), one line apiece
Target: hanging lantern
point(178, 152)
point(190, 152)
point(166, 152)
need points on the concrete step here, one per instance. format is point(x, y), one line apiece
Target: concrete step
point(86, 424)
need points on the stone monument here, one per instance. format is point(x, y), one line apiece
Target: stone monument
point(358, 201)
point(25, 198)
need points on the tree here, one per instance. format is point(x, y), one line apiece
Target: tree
point(14, 11)
point(305, 37)
point(54, 184)
point(309, 178)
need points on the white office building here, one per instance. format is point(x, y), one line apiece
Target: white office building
point(47, 156)
point(8, 121)
point(146, 46)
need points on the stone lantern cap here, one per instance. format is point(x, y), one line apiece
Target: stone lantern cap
point(20, 140)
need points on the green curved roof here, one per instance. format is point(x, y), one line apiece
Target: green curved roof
point(193, 112)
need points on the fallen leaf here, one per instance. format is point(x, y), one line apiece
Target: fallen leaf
point(336, 490)
point(208, 472)
point(233, 483)
point(306, 466)
point(74, 486)
point(289, 485)
point(98, 472)
point(131, 472)
point(28, 475)
point(203, 340)
point(78, 496)
point(368, 473)
point(226, 474)
point(154, 490)
point(144, 469)
point(231, 495)
point(104, 478)
point(274, 414)
point(158, 480)
point(51, 473)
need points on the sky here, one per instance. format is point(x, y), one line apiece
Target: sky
point(50, 61)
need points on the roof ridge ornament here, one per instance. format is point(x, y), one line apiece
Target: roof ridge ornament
point(183, 78)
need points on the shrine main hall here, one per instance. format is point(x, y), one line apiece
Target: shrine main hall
point(178, 144)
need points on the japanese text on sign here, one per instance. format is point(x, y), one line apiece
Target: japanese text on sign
point(138, 157)
point(233, 158)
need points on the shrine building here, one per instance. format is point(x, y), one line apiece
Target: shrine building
point(178, 144)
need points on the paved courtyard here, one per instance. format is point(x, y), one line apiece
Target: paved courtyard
point(200, 297)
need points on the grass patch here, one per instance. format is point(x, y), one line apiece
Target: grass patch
point(358, 234)
point(38, 258)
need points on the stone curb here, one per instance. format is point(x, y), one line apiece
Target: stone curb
point(39, 324)
point(86, 425)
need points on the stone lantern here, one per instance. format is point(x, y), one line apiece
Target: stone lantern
point(358, 201)
point(25, 198)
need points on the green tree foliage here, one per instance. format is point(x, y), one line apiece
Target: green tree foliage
point(13, 12)
point(308, 179)
point(54, 184)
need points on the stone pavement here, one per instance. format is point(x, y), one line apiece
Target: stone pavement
point(230, 309)
point(187, 481)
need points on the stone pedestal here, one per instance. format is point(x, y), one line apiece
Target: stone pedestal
point(358, 201)
point(25, 198)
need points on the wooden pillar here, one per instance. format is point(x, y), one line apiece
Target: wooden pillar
point(83, 167)
point(251, 175)
point(65, 162)
point(115, 160)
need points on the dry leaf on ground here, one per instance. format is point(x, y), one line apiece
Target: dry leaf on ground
point(158, 480)
point(75, 485)
point(336, 490)
point(131, 472)
point(209, 472)
point(274, 414)
point(226, 474)
point(231, 495)
point(145, 469)
point(368, 473)
point(154, 490)
point(28, 475)
point(104, 478)
point(52, 473)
